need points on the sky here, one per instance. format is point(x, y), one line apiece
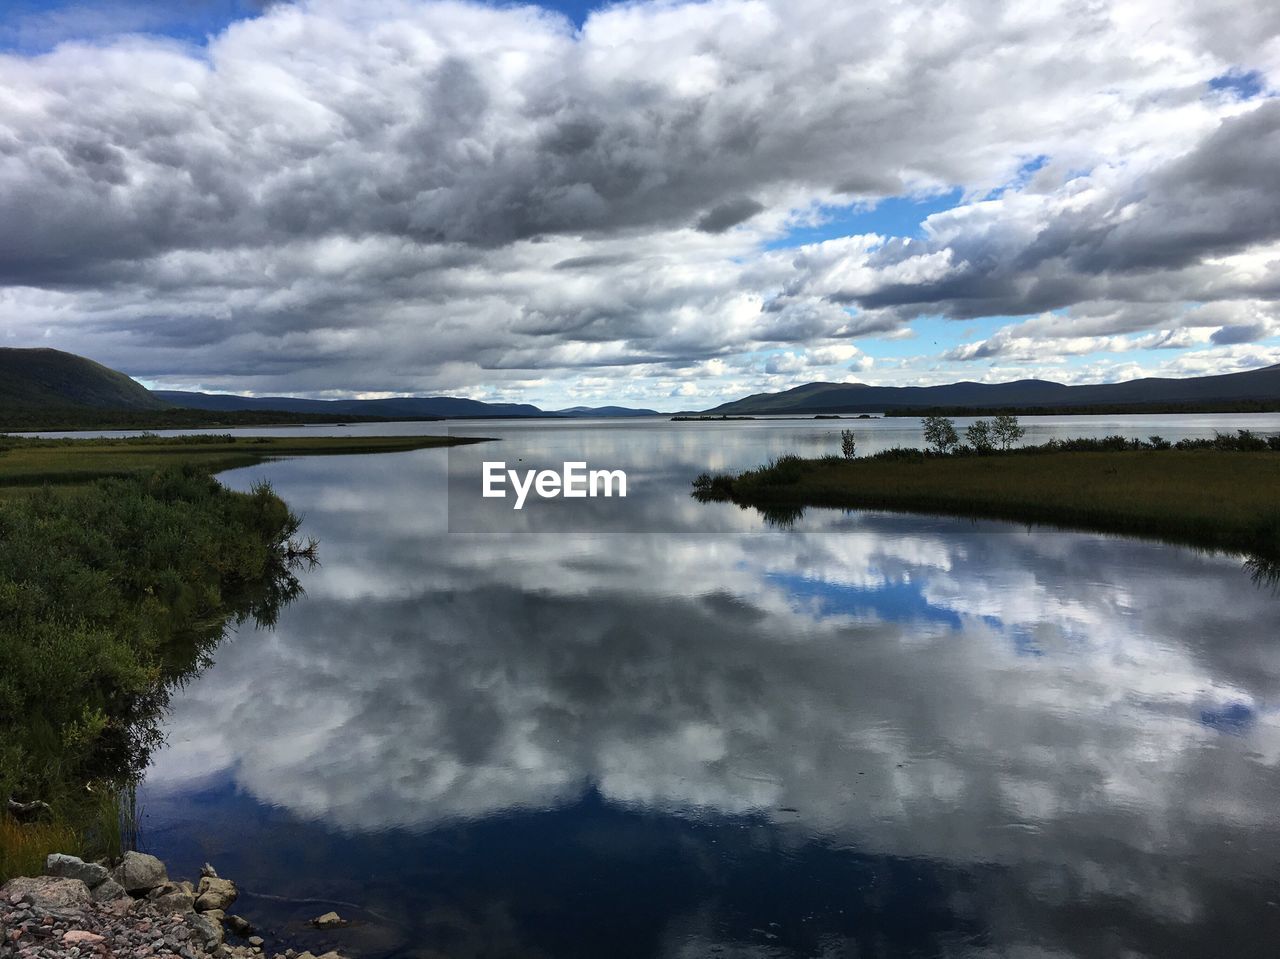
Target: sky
point(664, 204)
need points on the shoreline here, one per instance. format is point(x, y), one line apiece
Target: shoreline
point(33, 462)
point(1200, 498)
point(130, 907)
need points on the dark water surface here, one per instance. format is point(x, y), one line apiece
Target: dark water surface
point(656, 728)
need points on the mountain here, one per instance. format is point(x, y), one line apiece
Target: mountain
point(406, 407)
point(419, 407)
point(1251, 385)
point(605, 411)
point(39, 379)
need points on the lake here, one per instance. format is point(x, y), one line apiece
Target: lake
point(656, 728)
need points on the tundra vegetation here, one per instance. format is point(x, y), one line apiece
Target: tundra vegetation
point(122, 565)
point(1215, 493)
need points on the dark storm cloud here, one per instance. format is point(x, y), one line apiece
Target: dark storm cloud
point(729, 214)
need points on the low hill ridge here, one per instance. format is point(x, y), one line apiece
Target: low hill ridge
point(1251, 385)
point(41, 378)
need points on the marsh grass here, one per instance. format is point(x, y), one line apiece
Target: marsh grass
point(1221, 497)
point(27, 463)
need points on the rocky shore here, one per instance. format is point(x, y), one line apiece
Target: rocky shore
point(126, 909)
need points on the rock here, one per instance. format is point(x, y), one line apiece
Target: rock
point(139, 872)
point(173, 897)
point(215, 915)
point(239, 925)
point(49, 894)
point(79, 937)
point(107, 890)
point(208, 932)
point(73, 867)
point(330, 920)
point(256, 941)
point(215, 893)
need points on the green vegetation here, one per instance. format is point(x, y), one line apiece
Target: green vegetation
point(38, 379)
point(1091, 409)
point(122, 564)
point(1213, 493)
point(848, 444)
point(57, 418)
point(109, 594)
point(26, 462)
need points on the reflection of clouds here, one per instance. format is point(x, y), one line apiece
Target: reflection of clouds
point(1053, 723)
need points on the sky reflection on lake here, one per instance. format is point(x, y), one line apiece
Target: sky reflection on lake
point(867, 734)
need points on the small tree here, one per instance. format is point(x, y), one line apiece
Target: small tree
point(940, 433)
point(979, 436)
point(848, 444)
point(1007, 431)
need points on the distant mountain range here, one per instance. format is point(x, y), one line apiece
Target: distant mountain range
point(1202, 391)
point(38, 385)
point(36, 380)
point(404, 407)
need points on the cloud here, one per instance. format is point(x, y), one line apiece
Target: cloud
point(437, 196)
point(728, 214)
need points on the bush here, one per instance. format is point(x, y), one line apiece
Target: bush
point(109, 592)
point(1007, 431)
point(848, 444)
point(940, 433)
point(980, 436)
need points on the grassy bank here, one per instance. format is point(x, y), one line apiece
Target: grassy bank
point(27, 462)
point(1202, 497)
point(109, 594)
point(122, 564)
point(16, 419)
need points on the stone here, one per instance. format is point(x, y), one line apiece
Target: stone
point(172, 897)
point(256, 941)
point(107, 890)
point(330, 920)
point(139, 872)
point(73, 867)
point(79, 937)
point(51, 895)
point(215, 893)
point(239, 925)
point(215, 915)
point(208, 932)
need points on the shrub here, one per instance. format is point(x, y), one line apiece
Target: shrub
point(979, 436)
point(1007, 431)
point(940, 433)
point(848, 444)
point(108, 594)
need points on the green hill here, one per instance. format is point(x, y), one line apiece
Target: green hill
point(43, 379)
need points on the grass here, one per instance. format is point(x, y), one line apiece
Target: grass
point(122, 564)
point(29, 463)
point(24, 846)
point(1202, 497)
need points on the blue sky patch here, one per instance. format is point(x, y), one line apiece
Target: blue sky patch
point(901, 601)
point(1243, 85)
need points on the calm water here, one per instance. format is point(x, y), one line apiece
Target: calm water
point(651, 727)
